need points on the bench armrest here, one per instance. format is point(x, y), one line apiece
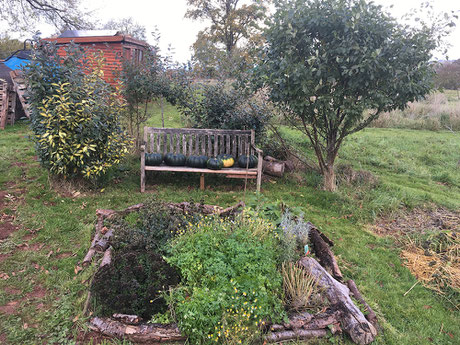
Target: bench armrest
point(259, 151)
point(142, 148)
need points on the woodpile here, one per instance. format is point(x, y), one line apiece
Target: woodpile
point(342, 315)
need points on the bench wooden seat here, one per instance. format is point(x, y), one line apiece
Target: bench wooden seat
point(208, 142)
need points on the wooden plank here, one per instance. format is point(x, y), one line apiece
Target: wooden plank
point(184, 144)
point(240, 147)
point(216, 141)
point(4, 106)
point(158, 143)
point(228, 171)
point(227, 144)
point(196, 143)
point(199, 131)
point(234, 153)
point(190, 142)
point(171, 143)
point(165, 142)
point(221, 144)
point(203, 145)
point(209, 150)
point(201, 181)
point(12, 107)
point(242, 176)
point(178, 136)
point(152, 141)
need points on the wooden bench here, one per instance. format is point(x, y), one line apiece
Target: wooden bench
point(208, 142)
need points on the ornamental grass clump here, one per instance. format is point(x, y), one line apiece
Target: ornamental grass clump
point(230, 284)
point(298, 285)
point(75, 114)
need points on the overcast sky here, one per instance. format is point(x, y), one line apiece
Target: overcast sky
point(168, 15)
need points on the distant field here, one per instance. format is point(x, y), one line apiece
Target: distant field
point(439, 111)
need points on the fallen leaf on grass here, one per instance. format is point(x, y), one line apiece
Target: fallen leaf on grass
point(427, 307)
point(77, 269)
point(4, 276)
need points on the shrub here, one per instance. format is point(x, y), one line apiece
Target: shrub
point(293, 238)
point(223, 107)
point(74, 113)
point(230, 282)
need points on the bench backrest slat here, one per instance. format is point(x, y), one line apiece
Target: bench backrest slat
point(191, 141)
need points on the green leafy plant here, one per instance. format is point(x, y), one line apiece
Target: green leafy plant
point(74, 113)
point(230, 281)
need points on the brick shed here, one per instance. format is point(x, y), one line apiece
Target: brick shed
point(113, 44)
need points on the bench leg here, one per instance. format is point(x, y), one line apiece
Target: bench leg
point(259, 172)
point(142, 181)
point(202, 181)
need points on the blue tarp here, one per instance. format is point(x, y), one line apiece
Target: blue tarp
point(16, 63)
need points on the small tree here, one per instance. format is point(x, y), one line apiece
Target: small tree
point(141, 82)
point(328, 62)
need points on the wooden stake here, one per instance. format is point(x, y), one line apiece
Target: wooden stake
point(201, 181)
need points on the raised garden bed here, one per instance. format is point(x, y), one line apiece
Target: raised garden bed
point(337, 314)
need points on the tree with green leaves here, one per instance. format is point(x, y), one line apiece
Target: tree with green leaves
point(335, 65)
point(234, 29)
point(127, 26)
point(23, 15)
point(9, 45)
point(448, 75)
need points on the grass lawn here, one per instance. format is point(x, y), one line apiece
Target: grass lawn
point(42, 292)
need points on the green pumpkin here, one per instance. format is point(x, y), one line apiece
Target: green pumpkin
point(247, 161)
point(197, 161)
point(227, 159)
point(153, 158)
point(175, 159)
point(215, 164)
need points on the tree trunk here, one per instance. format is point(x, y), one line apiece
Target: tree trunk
point(162, 113)
point(329, 178)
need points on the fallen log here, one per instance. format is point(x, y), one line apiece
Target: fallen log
point(231, 209)
point(142, 333)
point(295, 334)
point(352, 320)
point(107, 258)
point(323, 252)
point(370, 316)
point(273, 168)
point(89, 256)
point(104, 242)
point(323, 320)
point(128, 319)
point(308, 321)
